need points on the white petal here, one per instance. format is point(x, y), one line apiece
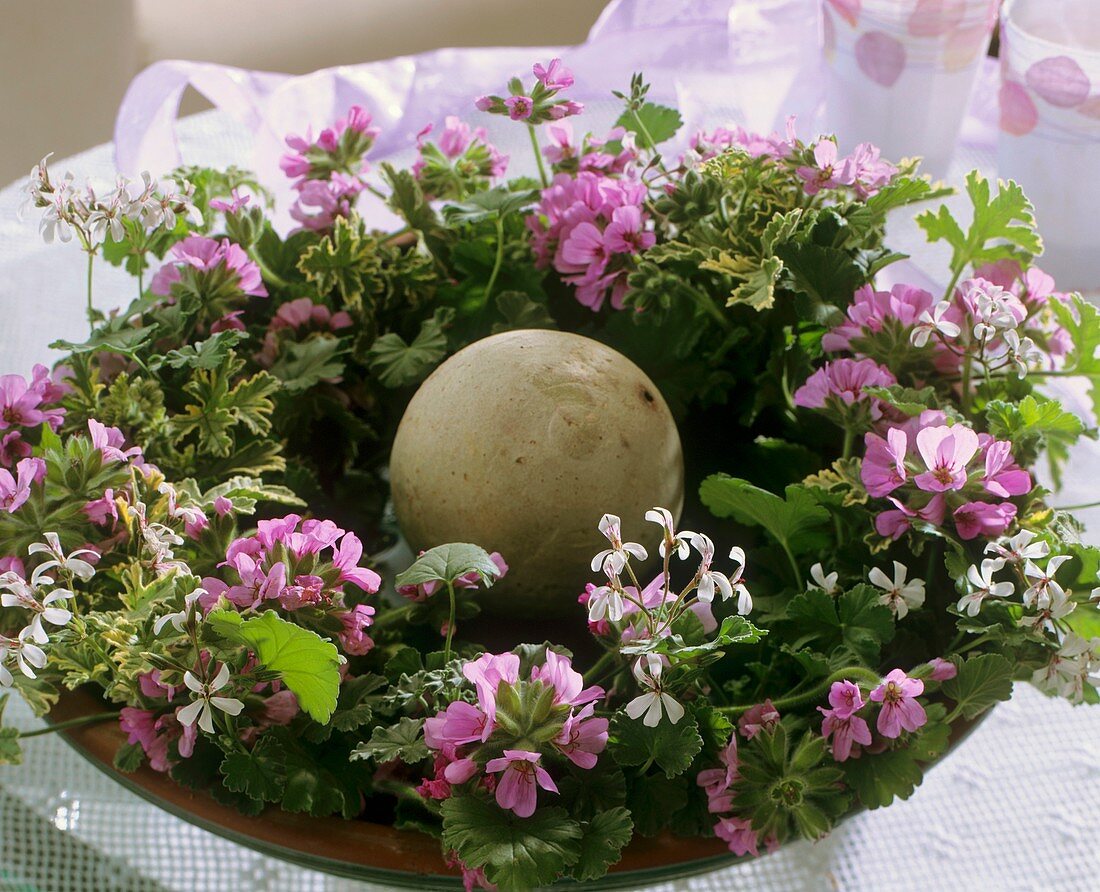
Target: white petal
point(189, 713)
point(221, 679)
point(231, 705)
point(638, 705)
point(636, 550)
point(675, 710)
point(206, 718)
point(877, 577)
point(192, 683)
point(653, 714)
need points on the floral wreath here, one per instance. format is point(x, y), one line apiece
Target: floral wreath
point(903, 563)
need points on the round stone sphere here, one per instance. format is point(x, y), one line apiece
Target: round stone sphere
point(519, 443)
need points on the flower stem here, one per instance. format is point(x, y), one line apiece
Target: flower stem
point(598, 667)
point(538, 155)
point(868, 677)
point(849, 443)
point(964, 397)
point(1080, 507)
point(794, 565)
point(450, 623)
point(90, 309)
point(499, 258)
point(393, 615)
point(268, 274)
point(72, 723)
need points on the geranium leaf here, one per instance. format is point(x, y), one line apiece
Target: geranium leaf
point(303, 365)
point(671, 747)
point(794, 521)
point(208, 354)
point(516, 853)
point(400, 364)
point(879, 779)
point(982, 681)
point(259, 773)
point(446, 563)
point(653, 125)
point(603, 840)
point(402, 741)
point(306, 663)
point(855, 619)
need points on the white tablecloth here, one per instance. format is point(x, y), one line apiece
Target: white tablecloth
point(1013, 809)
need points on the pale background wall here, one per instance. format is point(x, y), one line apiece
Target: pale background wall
point(64, 64)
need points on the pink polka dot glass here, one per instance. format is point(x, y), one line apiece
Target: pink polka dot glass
point(1050, 126)
point(900, 72)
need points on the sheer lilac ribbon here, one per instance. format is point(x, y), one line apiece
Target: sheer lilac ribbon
point(684, 47)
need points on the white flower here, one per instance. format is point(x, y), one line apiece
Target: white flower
point(708, 580)
point(1060, 607)
point(606, 601)
point(1022, 352)
point(1070, 669)
point(673, 540)
point(934, 321)
point(19, 593)
point(26, 653)
point(79, 568)
point(744, 599)
point(655, 702)
point(901, 596)
point(991, 310)
point(620, 552)
point(1019, 548)
point(200, 707)
point(1043, 587)
point(179, 619)
point(826, 583)
point(982, 586)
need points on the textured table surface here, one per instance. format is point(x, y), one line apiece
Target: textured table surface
point(1014, 808)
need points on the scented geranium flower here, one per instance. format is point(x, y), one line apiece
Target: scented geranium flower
point(673, 542)
point(459, 724)
point(895, 523)
point(738, 834)
point(716, 782)
point(73, 563)
point(41, 604)
point(709, 580)
point(206, 700)
point(838, 385)
point(883, 468)
point(655, 702)
point(983, 519)
point(942, 670)
point(946, 452)
point(352, 635)
point(539, 104)
point(516, 789)
point(991, 308)
point(109, 441)
point(827, 172)
point(216, 271)
point(761, 717)
point(296, 318)
point(900, 596)
point(819, 579)
point(873, 311)
point(900, 709)
point(938, 320)
point(557, 672)
point(346, 559)
point(257, 583)
point(15, 488)
point(840, 721)
point(25, 654)
point(1020, 548)
point(19, 404)
point(1042, 586)
point(1003, 477)
point(620, 552)
point(980, 585)
point(461, 162)
point(1075, 665)
point(865, 171)
point(339, 148)
point(582, 737)
point(487, 673)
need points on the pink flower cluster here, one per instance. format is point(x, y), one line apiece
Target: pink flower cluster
point(863, 171)
point(15, 488)
point(295, 564)
point(613, 154)
point(460, 161)
point(708, 144)
point(470, 581)
point(294, 319)
point(717, 783)
point(212, 268)
point(872, 312)
point(589, 228)
point(329, 172)
point(540, 103)
point(456, 735)
point(837, 388)
point(26, 406)
point(899, 711)
point(951, 469)
point(632, 626)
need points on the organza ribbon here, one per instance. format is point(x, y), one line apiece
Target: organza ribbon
point(695, 53)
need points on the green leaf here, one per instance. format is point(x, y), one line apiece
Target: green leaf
point(446, 563)
point(906, 399)
point(1082, 321)
point(400, 364)
point(389, 742)
point(490, 204)
point(259, 774)
point(734, 630)
point(11, 753)
point(982, 681)
point(354, 709)
point(520, 310)
point(246, 492)
point(116, 336)
point(880, 778)
point(208, 354)
point(653, 800)
point(302, 365)
point(306, 663)
point(794, 521)
point(855, 620)
point(516, 853)
point(129, 757)
point(219, 406)
point(1002, 227)
point(651, 124)
point(671, 747)
point(603, 840)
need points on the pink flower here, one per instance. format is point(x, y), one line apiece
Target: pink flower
point(18, 403)
point(942, 670)
point(516, 789)
point(896, 523)
point(222, 506)
point(866, 171)
point(582, 738)
point(12, 564)
point(762, 717)
point(1003, 477)
point(355, 622)
point(256, 586)
point(102, 511)
point(554, 76)
point(231, 207)
point(626, 233)
point(716, 782)
point(568, 684)
point(15, 490)
point(883, 468)
point(984, 519)
point(307, 591)
point(460, 723)
point(487, 673)
point(109, 441)
point(738, 834)
point(565, 109)
point(346, 560)
point(845, 699)
point(900, 709)
point(483, 103)
point(320, 202)
point(946, 452)
point(12, 448)
point(519, 107)
point(871, 311)
point(153, 688)
point(827, 174)
point(206, 255)
point(140, 726)
point(846, 731)
point(843, 381)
